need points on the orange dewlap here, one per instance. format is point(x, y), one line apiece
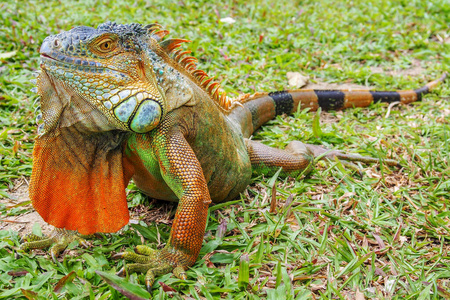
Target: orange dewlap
point(71, 190)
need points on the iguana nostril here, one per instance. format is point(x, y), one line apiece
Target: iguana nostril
point(56, 43)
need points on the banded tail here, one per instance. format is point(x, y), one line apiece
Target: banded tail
point(262, 107)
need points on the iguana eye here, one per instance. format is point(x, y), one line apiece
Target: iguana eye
point(106, 45)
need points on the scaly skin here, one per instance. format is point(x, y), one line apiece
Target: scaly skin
point(119, 103)
point(57, 242)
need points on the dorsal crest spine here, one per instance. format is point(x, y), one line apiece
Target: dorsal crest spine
point(183, 57)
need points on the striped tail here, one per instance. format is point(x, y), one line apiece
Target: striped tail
point(263, 107)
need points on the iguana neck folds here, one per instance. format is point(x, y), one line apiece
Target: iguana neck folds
point(172, 83)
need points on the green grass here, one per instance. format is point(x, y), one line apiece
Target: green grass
point(384, 236)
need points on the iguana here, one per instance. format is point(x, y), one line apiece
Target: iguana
point(121, 102)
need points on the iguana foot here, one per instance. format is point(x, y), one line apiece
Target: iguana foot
point(298, 158)
point(324, 153)
point(153, 262)
point(58, 241)
point(297, 147)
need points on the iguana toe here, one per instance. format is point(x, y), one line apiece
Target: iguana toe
point(180, 273)
point(142, 259)
point(32, 241)
point(58, 247)
point(353, 167)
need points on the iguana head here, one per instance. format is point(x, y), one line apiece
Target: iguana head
point(111, 69)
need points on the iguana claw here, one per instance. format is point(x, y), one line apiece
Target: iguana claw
point(150, 261)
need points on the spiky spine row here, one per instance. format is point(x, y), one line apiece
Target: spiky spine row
point(189, 63)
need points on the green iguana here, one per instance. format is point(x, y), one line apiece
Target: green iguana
point(120, 102)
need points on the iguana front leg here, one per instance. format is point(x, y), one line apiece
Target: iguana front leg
point(299, 157)
point(182, 172)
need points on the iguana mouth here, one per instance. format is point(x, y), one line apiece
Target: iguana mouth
point(63, 64)
point(53, 56)
point(70, 62)
point(47, 56)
